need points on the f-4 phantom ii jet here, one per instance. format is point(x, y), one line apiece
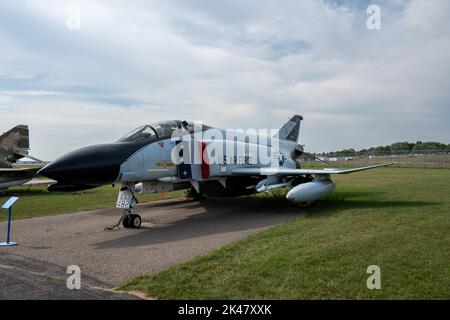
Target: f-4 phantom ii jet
point(15, 145)
point(173, 155)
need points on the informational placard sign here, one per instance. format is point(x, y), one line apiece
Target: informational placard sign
point(8, 204)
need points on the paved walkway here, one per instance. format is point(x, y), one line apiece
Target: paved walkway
point(172, 231)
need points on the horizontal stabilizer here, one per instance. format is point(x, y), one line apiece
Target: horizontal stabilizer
point(25, 155)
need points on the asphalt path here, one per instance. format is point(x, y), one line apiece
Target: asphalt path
point(172, 231)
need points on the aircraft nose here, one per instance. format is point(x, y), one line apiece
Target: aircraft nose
point(90, 166)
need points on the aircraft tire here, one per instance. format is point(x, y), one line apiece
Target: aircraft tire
point(126, 222)
point(135, 221)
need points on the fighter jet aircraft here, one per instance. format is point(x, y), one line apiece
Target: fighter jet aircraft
point(172, 155)
point(15, 145)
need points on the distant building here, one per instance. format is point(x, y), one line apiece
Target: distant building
point(336, 158)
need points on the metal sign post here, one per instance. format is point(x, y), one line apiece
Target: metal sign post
point(8, 205)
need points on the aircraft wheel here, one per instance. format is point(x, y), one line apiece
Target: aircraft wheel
point(126, 222)
point(135, 221)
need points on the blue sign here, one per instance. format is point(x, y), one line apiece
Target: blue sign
point(8, 204)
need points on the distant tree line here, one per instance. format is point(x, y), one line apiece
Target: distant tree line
point(395, 147)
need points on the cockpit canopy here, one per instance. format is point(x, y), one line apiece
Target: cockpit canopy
point(159, 130)
point(142, 133)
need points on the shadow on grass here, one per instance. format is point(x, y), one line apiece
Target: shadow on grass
point(25, 192)
point(332, 205)
point(42, 192)
point(342, 195)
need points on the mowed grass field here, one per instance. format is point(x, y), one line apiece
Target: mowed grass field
point(37, 201)
point(395, 218)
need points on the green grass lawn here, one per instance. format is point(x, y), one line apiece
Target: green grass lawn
point(37, 201)
point(398, 219)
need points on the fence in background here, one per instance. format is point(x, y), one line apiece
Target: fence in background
point(437, 159)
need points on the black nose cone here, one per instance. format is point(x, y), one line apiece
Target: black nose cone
point(90, 166)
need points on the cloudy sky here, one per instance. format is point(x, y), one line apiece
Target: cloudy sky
point(232, 64)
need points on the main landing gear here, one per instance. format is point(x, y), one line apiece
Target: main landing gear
point(197, 196)
point(127, 201)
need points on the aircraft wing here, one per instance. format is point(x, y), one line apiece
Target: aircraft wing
point(10, 177)
point(20, 170)
point(271, 171)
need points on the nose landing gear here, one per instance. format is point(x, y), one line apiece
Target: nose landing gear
point(127, 201)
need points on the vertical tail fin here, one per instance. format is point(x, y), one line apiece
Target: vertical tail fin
point(290, 130)
point(16, 138)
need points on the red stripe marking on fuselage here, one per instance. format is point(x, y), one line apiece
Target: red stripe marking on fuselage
point(205, 161)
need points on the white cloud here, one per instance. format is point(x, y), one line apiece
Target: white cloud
point(228, 63)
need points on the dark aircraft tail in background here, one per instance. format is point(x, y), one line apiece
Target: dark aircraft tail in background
point(14, 145)
point(18, 138)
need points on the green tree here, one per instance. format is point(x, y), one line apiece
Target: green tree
point(401, 146)
point(428, 146)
